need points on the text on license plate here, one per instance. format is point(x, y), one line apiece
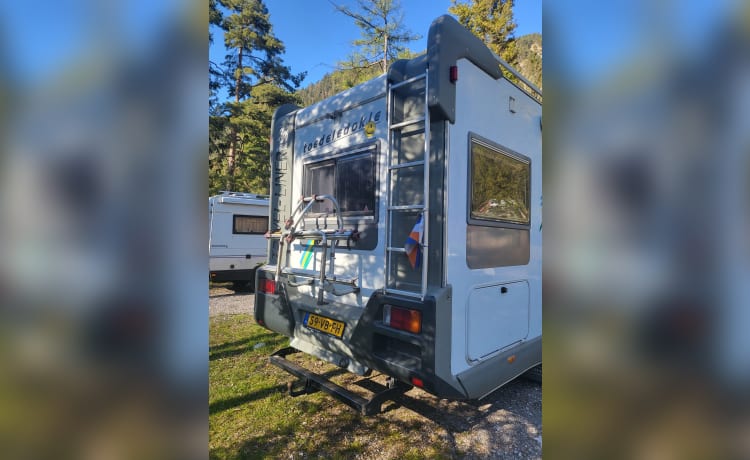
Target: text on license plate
point(324, 324)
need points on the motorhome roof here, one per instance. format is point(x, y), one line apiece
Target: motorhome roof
point(240, 198)
point(341, 102)
point(243, 194)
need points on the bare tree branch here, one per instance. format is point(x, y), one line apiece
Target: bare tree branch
point(381, 24)
point(353, 15)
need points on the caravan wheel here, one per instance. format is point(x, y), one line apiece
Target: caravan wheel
point(243, 286)
point(535, 374)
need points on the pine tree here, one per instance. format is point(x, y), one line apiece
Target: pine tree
point(239, 130)
point(384, 35)
point(492, 21)
point(215, 17)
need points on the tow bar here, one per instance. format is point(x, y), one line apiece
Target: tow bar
point(312, 382)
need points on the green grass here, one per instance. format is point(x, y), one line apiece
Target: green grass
point(252, 417)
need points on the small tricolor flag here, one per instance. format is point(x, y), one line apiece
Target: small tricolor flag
point(413, 244)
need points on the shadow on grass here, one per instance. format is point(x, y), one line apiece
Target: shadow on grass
point(226, 350)
point(224, 345)
point(229, 353)
point(329, 437)
point(328, 429)
point(229, 403)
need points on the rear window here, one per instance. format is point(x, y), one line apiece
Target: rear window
point(350, 179)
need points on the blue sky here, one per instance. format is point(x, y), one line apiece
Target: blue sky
point(317, 37)
point(39, 40)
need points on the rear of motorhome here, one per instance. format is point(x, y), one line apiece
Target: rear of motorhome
point(406, 224)
point(237, 245)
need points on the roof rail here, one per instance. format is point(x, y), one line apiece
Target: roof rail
point(518, 75)
point(243, 194)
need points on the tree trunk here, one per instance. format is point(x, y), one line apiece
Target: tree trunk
point(232, 132)
point(230, 161)
point(385, 45)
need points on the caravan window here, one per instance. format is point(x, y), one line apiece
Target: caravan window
point(356, 185)
point(500, 186)
point(319, 179)
point(350, 179)
point(249, 225)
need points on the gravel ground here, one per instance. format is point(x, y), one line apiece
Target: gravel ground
point(506, 424)
point(224, 301)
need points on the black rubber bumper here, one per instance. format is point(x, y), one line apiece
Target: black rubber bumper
point(401, 354)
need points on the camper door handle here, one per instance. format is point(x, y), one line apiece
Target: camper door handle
point(503, 290)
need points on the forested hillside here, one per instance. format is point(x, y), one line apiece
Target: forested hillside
point(530, 57)
point(529, 64)
point(253, 80)
point(335, 82)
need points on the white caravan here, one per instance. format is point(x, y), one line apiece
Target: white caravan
point(237, 245)
point(410, 251)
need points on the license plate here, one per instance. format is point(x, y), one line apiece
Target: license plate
point(327, 325)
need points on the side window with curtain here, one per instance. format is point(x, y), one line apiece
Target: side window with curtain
point(349, 178)
point(249, 225)
point(319, 180)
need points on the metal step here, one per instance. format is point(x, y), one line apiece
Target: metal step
point(312, 382)
point(410, 164)
point(408, 81)
point(407, 207)
point(402, 124)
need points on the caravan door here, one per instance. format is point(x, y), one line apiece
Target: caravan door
point(498, 316)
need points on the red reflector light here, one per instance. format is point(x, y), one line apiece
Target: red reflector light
point(454, 74)
point(403, 318)
point(417, 382)
point(267, 286)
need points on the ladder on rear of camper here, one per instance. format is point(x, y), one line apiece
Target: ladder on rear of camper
point(407, 110)
point(326, 237)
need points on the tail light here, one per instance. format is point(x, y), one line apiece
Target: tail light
point(267, 286)
point(404, 319)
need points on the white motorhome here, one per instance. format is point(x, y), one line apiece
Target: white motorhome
point(406, 225)
point(237, 245)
